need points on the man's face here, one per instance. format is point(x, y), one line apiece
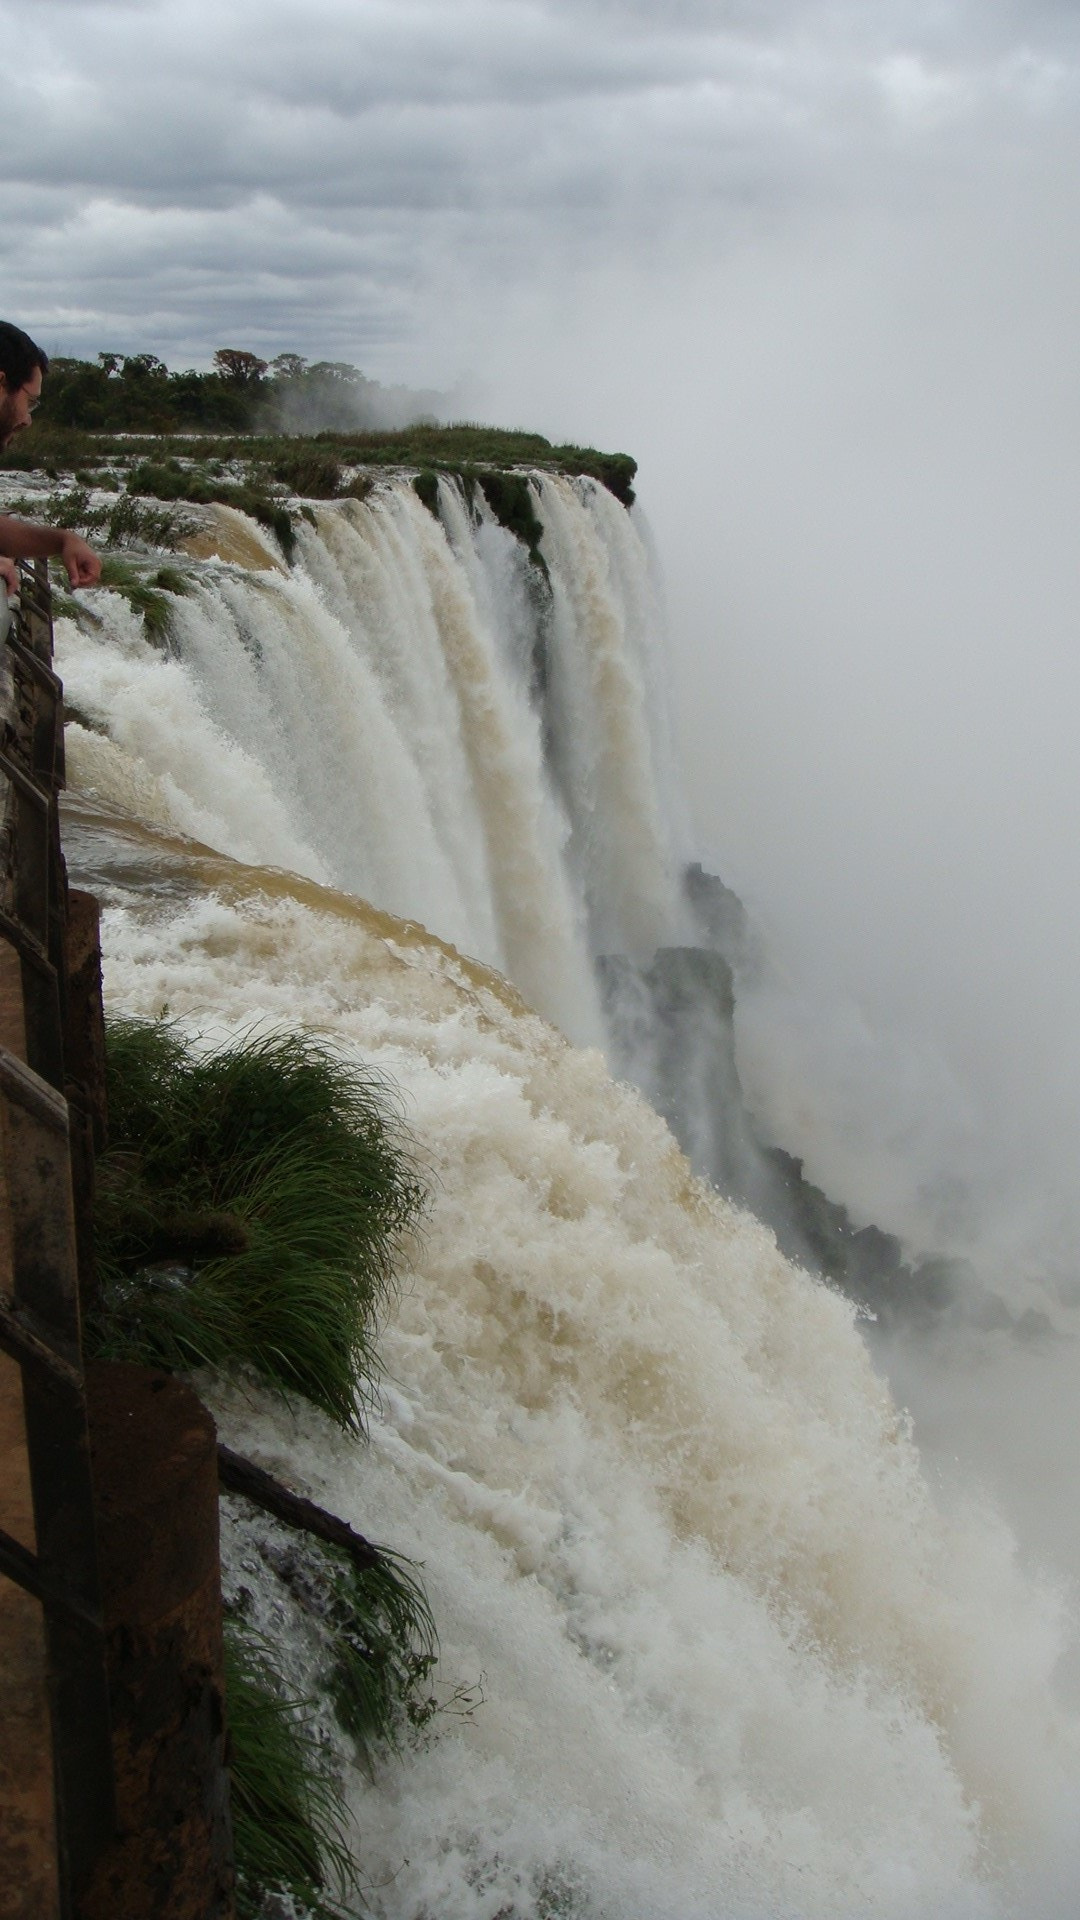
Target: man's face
point(17, 404)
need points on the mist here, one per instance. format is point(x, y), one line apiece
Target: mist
point(858, 428)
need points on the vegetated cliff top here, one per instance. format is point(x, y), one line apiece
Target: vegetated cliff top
point(304, 460)
point(125, 407)
point(465, 445)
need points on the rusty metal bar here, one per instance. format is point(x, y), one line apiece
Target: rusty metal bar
point(26, 1088)
point(19, 1564)
point(40, 1321)
point(24, 1568)
point(35, 608)
point(38, 668)
point(26, 945)
point(34, 1129)
point(19, 1339)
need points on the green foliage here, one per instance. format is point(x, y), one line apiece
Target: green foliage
point(358, 488)
point(426, 485)
point(125, 393)
point(168, 480)
point(70, 509)
point(132, 407)
point(510, 500)
point(507, 494)
point(171, 580)
point(65, 606)
point(288, 1814)
point(149, 599)
point(50, 448)
point(278, 518)
point(469, 449)
point(249, 1209)
point(311, 471)
point(239, 368)
point(384, 1649)
point(121, 521)
point(131, 520)
point(377, 1634)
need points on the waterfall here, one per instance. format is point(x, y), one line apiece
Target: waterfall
point(719, 1652)
point(419, 715)
point(717, 1649)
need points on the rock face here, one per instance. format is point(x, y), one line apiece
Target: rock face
point(673, 1030)
point(674, 1022)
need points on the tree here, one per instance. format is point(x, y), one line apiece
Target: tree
point(143, 366)
point(288, 366)
point(337, 371)
point(239, 368)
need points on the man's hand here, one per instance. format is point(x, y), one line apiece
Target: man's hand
point(82, 563)
point(9, 574)
point(27, 540)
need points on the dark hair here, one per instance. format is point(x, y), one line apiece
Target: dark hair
point(19, 356)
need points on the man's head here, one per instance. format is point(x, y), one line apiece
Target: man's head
point(22, 366)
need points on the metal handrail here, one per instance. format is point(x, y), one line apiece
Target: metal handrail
point(39, 1320)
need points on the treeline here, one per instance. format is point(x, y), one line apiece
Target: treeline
point(250, 430)
point(137, 393)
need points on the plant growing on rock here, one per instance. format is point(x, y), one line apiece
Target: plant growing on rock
point(250, 1207)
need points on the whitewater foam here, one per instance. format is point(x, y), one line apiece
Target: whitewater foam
point(736, 1658)
point(733, 1659)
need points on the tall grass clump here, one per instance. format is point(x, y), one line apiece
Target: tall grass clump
point(287, 1811)
point(147, 597)
point(250, 1206)
point(383, 1640)
point(374, 1628)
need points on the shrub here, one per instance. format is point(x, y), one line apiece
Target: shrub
point(312, 472)
point(135, 520)
point(171, 481)
point(250, 1206)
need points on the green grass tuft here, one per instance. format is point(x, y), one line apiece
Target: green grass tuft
point(148, 598)
point(250, 1206)
point(384, 1650)
point(171, 580)
point(287, 1811)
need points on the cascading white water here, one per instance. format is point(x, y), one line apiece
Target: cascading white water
point(735, 1662)
point(371, 720)
point(609, 742)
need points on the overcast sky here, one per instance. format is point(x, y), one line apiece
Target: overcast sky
point(183, 174)
point(818, 266)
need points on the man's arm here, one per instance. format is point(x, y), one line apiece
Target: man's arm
point(26, 540)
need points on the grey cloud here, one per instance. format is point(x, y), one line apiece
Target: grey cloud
point(485, 135)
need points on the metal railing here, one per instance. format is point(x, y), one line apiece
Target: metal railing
point(40, 1307)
